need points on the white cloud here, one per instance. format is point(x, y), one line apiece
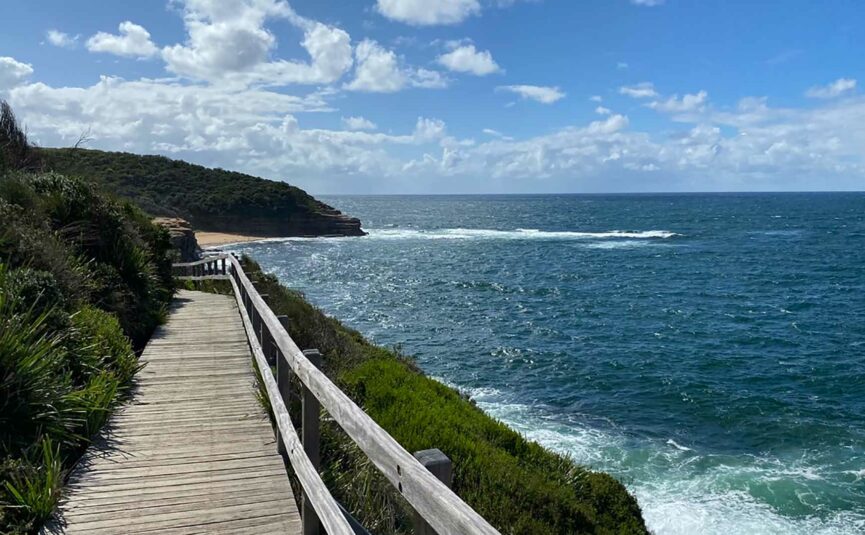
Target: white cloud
point(497, 134)
point(227, 41)
point(600, 110)
point(687, 104)
point(133, 41)
point(835, 89)
point(429, 129)
point(428, 13)
point(596, 98)
point(13, 72)
point(61, 39)
point(621, 65)
point(542, 94)
point(468, 59)
point(648, 3)
point(641, 90)
point(358, 123)
point(378, 70)
point(152, 115)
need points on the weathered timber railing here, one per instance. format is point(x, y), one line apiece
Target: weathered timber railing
point(214, 267)
point(423, 479)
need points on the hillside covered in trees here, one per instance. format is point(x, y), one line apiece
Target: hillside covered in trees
point(211, 199)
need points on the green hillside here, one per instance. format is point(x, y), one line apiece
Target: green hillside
point(210, 199)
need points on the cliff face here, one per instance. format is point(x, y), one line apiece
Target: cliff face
point(215, 200)
point(324, 222)
point(182, 237)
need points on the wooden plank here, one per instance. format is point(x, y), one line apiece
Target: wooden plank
point(193, 451)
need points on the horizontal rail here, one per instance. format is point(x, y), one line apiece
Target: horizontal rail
point(202, 261)
point(213, 267)
point(326, 507)
point(445, 512)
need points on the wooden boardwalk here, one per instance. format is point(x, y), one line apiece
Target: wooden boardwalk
point(193, 452)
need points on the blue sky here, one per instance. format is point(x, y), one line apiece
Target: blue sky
point(451, 96)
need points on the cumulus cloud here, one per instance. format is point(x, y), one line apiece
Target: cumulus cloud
point(358, 123)
point(468, 59)
point(427, 13)
point(133, 41)
point(687, 104)
point(13, 72)
point(641, 90)
point(429, 129)
point(600, 110)
point(229, 42)
point(151, 115)
point(835, 89)
point(379, 70)
point(61, 39)
point(542, 94)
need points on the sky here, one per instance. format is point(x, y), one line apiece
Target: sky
point(455, 96)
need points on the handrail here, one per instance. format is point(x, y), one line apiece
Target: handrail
point(212, 267)
point(326, 507)
point(202, 261)
point(439, 506)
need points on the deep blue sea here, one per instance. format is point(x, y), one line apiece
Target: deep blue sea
point(706, 349)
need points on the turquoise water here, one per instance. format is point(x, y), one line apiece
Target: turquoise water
point(708, 350)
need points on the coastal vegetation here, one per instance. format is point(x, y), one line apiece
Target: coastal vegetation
point(517, 485)
point(84, 280)
point(211, 199)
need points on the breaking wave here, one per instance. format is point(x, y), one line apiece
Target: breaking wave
point(517, 234)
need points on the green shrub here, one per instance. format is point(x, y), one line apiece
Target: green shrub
point(98, 345)
point(38, 291)
point(32, 488)
point(33, 385)
point(98, 249)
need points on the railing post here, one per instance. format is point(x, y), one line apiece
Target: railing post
point(438, 463)
point(311, 439)
point(283, 382)
point(258, 325)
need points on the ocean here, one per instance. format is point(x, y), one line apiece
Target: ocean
point(706, 349)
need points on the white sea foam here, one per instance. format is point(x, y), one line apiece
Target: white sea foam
point(678, 446)
point(613, 238)
point(517, 234)
point(677, 493)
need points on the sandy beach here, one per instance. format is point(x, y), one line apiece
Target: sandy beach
point(213, 239)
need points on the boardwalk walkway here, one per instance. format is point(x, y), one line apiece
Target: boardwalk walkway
point(193, 452)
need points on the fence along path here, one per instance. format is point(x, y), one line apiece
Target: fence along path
point(140, 464)
point(194, 451)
